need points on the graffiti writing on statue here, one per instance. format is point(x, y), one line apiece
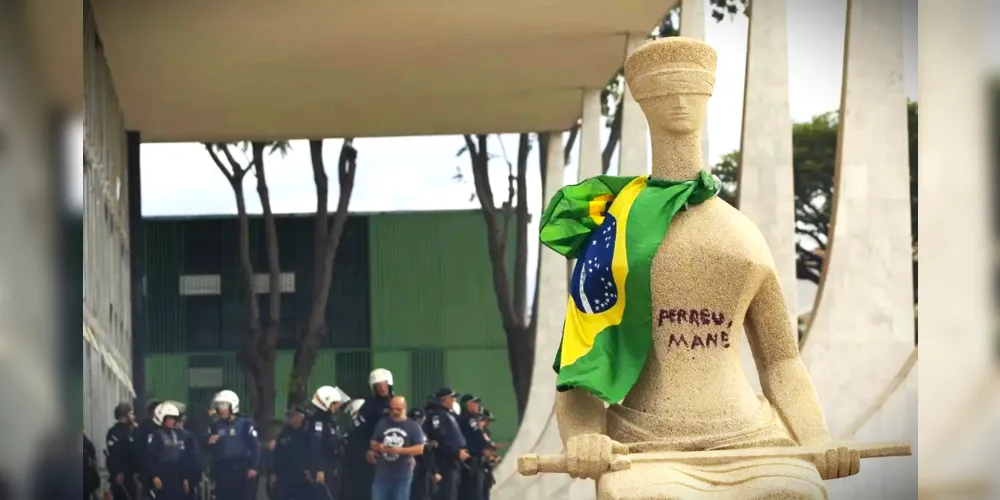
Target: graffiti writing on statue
point(711, 320)
point(703, 317)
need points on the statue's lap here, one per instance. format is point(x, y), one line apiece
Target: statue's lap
point(786, 479)
point(743, 479)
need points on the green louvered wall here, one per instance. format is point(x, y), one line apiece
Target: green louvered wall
point(430, 282)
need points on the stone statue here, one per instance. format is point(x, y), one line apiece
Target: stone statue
point(674, 358)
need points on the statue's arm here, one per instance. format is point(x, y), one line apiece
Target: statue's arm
point(783, 377)
point(579, 412)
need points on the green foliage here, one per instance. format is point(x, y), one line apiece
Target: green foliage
point(728, 8)
point(814, 163)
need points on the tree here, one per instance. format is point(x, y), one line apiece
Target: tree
point(259, 353)
point(814, 159)
point(510, 288)
point(327, 234)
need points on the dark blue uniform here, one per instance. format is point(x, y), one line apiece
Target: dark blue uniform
point(422, 487)
point(358, 442)
point(234, 453)
point(168, 460)
point(146, 427)
point(192, 461)
point(290, 464)
point(444, 430)
point(326, 452)
point(489, 479)
point(474, 475)
point(120, 459)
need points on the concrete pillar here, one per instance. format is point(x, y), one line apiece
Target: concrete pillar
point(633, 153)
point(29, 301)
point(693, 26)
point(766, 191)
point(958, 398)
point(590, 135)
point(537, 432)
point(861, 333)
point(137, 265)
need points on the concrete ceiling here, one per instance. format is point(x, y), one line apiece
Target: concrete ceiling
point(227, 70)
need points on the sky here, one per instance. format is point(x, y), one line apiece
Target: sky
point(417, 173)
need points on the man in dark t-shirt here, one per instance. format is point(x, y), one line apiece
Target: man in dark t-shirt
point(395, 442)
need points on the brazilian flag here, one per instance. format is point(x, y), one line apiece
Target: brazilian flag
point(612, 226)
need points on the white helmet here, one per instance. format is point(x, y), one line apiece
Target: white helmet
point(354, 407)
point(456, 408)
point(180, 406)
point(229, 398)
point(379, 375)
point(326, 396)
point(164, 410)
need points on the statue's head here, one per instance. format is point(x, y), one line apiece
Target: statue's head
point(672, 79)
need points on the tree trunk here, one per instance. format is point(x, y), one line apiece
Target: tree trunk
point(246, 265)
point(520, 338)
point(327, 243)
point(267, 346)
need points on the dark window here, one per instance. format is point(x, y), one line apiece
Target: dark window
point(203, 246)
point(347, 311)
point(204, 322)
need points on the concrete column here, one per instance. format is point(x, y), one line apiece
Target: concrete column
point(590, 135)
point(633, 153)
point(590, 144)
point(137, 265)
point(862, 329)
point(766, 190)
point(693, 26)
point(958, 400)
point(537, 432)
point(29, 299)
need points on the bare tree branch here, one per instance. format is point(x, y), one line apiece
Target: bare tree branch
point(218, 162)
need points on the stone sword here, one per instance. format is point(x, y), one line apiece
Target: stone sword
point(627, 454)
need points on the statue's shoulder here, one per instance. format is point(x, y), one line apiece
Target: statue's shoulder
point(733, 233)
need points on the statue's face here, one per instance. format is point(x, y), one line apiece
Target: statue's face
point(677, 113)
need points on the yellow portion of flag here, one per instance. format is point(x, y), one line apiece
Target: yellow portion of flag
point(582, 328)
point(597, 207)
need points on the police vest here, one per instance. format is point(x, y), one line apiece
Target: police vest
point(172, 447)
point(232, 440)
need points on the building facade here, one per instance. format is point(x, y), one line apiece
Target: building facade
point(411, 292)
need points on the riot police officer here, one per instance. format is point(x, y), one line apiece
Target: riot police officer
point(235, 449)
point(192, 458)
point(490, 453)
point(326, 441)
point(450, 452)
point(120, 453)
point(290, 471)
point(145, 427)
point(360, 465)
point(422, 486)
point(168, 455)
point(474, 475)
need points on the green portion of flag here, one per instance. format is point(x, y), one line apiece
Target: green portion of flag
point(609, 320)
point(569, 217)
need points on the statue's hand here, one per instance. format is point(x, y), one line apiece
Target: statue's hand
point(589, 455)
point(838, 462)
